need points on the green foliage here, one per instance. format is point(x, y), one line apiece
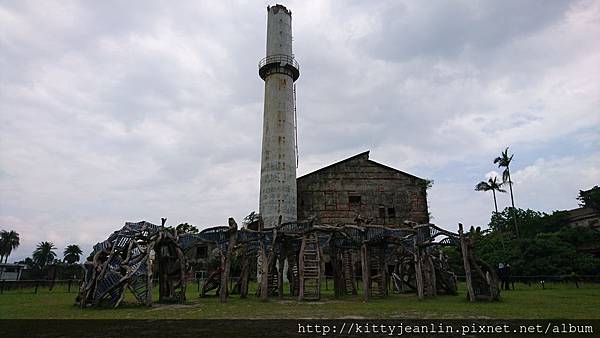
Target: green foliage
point(546, 246)
point(504, 161)
point(531, 222)
point(185, 228)
point(590, 198)
point(251, 218)
point(44, 254)
point(72, 254)
point(9, 240)
point(491, 184)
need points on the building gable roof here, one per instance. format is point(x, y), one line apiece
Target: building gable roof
point(362, 156)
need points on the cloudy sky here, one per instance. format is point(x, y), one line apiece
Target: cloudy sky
point(114, 111)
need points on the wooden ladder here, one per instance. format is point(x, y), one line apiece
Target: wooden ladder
point(273, 283)
point(348, 267)
point(310, 268)
point(295, 282)
point(376, 264)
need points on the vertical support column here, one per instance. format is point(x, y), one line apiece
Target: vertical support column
point(433, 277)
point(465, 255)
point(264, 273)
point(148, 276)
point(280, 267)
point(418, 269)
point(366, 271)
point(183, 280)
point(226, 264)
point(244, 273)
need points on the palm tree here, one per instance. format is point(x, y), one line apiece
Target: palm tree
point(72, 253)
point(492, 185)
point(44, 254)
point(9, 240)
point(504, 161)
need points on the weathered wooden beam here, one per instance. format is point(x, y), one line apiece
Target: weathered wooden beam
point(226, 260)
point(366, 271)
point(245, 273)
point(466, 257)
point(280, 268)
point(418, 269)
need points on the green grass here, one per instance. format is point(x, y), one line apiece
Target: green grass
point(557, 301)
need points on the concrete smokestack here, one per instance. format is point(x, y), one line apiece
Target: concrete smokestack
point(279, 70)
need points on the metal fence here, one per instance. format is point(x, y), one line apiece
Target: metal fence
point(72, 285)
point(39, 285)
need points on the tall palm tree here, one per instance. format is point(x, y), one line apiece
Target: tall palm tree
point(9, 240)
point(504, 161)
point(493, 185)
point(44, 254)
point(72, 254)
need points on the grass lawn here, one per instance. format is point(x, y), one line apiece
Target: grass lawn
point(556, 301)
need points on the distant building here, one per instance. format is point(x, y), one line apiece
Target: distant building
point(583, 217)
point(10, 271)
point(341, 191)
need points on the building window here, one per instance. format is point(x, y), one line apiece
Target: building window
point(382, 211)
point(391, 212)
point(330, 198)
point(354, 199)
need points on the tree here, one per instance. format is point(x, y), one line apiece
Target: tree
point(9, 240)
point(44, 254)
point(504, 161)
point(72, 254)
point(492, 185)
point(185, 228)
point(28, 262)
point(590, 198)
point(531, 223)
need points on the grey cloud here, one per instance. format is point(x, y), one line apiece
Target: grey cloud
point(121, 111)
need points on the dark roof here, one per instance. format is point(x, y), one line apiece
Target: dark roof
point(365, 156)
point(581, 213)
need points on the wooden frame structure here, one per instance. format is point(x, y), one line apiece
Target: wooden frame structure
point(124, 261)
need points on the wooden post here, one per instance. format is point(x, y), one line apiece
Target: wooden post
point(244, 273)
point(183, 277)
point(281, 265)
point(264, 266)
point(226, 260)
point(465, 253)
point(384, 272)
point(366, 272)
point(418, 269)
point(433, 277)
point(149, 276)
point(335, 269)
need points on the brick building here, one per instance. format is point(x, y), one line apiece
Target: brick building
point(339, 192)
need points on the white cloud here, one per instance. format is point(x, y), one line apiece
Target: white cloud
point(114, 112)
